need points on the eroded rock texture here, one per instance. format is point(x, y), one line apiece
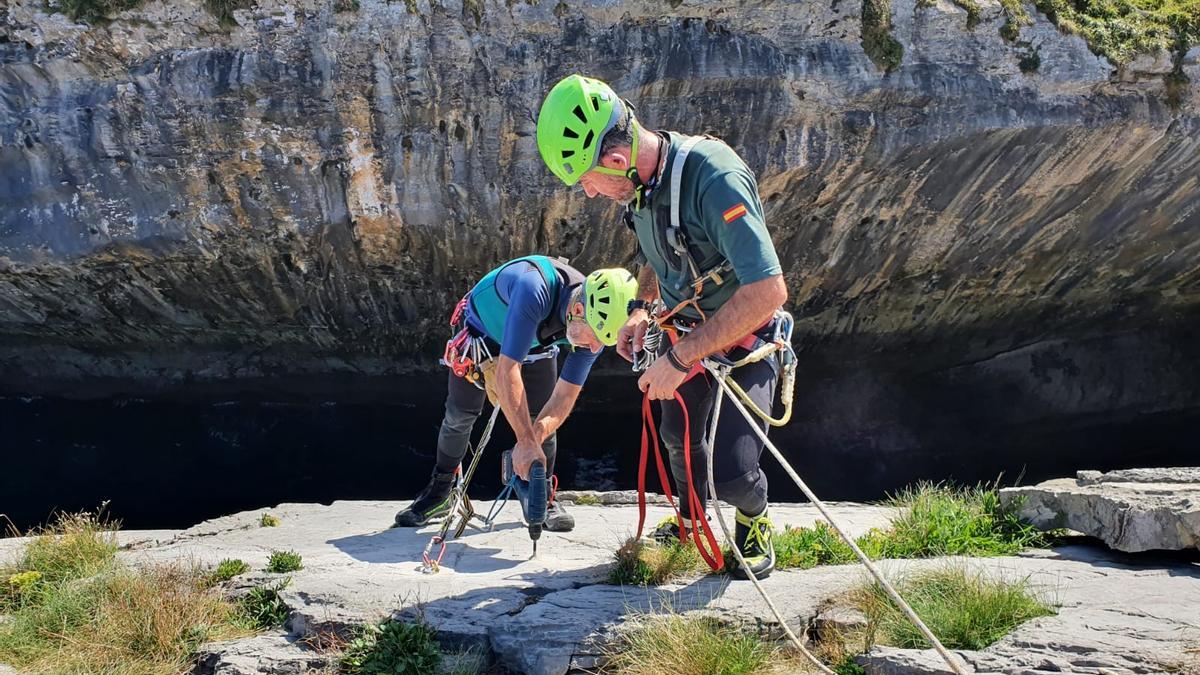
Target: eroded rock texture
point(1132, 511)
point(970, 249)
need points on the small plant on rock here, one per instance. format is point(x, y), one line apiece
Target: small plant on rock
point(393, 648)
point(643, 563)
point(91, 11)
point(268, 520)
point(228, 569)
point(693, 644)
point(964, 608)
point(224, 9)
point(262, 608)
point(282, 562)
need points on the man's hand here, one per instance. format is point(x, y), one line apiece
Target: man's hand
point(629, 338)
point(661, 380)
point(523, 457)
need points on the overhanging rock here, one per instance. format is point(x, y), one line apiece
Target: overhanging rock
point(1133, 510)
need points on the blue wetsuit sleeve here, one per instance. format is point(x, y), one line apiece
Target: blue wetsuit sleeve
point(577, 366)
point(528, 307)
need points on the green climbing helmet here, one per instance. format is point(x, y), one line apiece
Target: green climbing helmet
point(606, 297)
point(574, 119)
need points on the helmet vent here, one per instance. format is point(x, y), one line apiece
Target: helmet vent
point(570, 133)
point(567, 153)
point(579, 113)
point(596, 103)
point(587, 140)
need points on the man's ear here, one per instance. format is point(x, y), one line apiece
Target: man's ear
point(615, 160)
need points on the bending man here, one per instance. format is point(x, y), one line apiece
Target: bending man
point(524, 310)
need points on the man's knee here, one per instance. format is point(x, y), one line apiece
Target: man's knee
point(459, 420)
point(747, 491)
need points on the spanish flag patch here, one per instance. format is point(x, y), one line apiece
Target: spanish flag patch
point(734, 213)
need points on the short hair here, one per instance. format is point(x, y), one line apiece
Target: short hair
point(621, 135)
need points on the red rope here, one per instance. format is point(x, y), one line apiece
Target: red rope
point(712, 553)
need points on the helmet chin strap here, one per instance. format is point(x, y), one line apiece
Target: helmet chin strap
point(639, 186)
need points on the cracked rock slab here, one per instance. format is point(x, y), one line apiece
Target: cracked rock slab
point(264, 654)
point(356, 570)
point(1135, 510)
point(1115, 614)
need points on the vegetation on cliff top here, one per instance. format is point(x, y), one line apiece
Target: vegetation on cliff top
point(932, 520)
point(72, 606)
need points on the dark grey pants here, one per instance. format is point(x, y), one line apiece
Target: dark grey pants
point(464, 404)
point(739, 480)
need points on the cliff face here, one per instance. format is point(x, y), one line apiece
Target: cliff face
point(308, 191)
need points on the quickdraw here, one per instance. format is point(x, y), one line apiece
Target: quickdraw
point(465, 352)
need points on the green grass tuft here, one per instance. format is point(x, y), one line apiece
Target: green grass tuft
point(1030, 62)
point(965, 609)
point(938, 520)
point(691, 644)
point(72, 607)
point(228, 569)
point(641, 563)
point(284, 561)
point(587, 500)
point(1015, 17)
point(393, 648)
point(224, 9)
point(76, 546)
point(1122, 29)
point(877, 39)
point(933, 520)
point(262, 608)
point(973, 9)
point(268, 520)
point(91, 11)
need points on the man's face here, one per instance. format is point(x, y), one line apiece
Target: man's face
point(580, 334)
point(616, 188)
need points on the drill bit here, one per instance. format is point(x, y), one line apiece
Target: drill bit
point(534, 550)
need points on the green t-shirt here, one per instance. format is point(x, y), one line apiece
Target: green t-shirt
point(722, 218)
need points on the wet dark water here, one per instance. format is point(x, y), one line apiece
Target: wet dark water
point(169, 463)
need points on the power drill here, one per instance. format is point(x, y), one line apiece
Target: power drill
point(532, 495)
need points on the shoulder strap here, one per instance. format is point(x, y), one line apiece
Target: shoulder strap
point(677, 176)
point(676, 235)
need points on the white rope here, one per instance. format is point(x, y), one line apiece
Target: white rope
point(712, 490)
point(720, 373)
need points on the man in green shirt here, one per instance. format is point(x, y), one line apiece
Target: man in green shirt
point(712, 263)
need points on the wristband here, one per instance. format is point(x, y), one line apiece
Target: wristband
point(676, 363)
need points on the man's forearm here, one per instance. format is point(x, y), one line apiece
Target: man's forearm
point(749, 307)
point(555, 412)
point(511, 389)
point(647, 284)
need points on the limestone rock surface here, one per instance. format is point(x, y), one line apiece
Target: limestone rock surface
point(1131, 510)
point(271, 654)
point(1116, 612)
